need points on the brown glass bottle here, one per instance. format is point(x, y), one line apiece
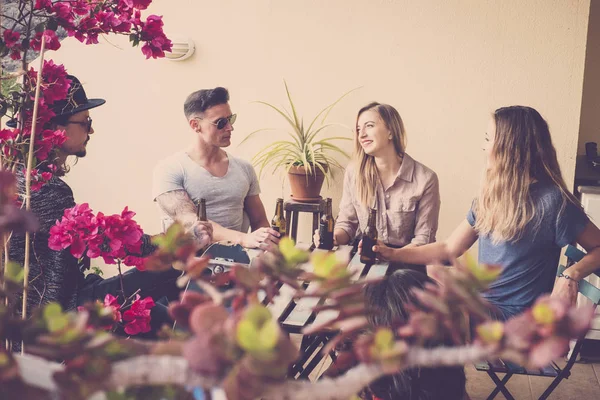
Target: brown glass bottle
point(326, 228)
point(369, 239)
point(202, 210)
point(278, 222)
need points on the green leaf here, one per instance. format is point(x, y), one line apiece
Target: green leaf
point(97, 270)
point(290, 252)
point(257, 332)
point(269, 334)
point(52, 310)
point(14, 272)
point(4, 360)
point(247, 335)
point(287, 91)
point(313, 135)
point(55, 319)
point(490, 332)
point(384, 340)
point(543, 314)
point(251, 134)
point(283, 114)
point(134, 39)
point(328, 109)
point(484, 273)
point(69, 335)
point(168, 240)
point(327, 265)
point(257, 314)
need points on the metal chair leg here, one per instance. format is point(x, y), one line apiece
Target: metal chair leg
point(500, 385)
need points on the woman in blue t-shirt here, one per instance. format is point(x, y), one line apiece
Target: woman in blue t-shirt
point(523, 216)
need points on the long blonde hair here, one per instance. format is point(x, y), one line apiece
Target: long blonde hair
point(366, 174)
point(522, 154)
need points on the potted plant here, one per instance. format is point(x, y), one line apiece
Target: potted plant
point(305, 155)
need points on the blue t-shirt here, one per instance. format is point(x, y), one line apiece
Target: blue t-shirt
point(530, 264)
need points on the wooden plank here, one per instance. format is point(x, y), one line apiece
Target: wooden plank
point(356, 267)
point(343, 253)
point(303, 310)
point(378, 270)
point(282, 300)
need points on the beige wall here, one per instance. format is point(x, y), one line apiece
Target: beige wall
point(589, 128)
point(444, 64)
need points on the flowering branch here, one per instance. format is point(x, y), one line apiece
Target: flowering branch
point(173, 370)
point(28, 177)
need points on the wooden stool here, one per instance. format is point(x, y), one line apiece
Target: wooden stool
point(292, 213)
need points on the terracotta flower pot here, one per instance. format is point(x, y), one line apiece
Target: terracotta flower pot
point(306, 187)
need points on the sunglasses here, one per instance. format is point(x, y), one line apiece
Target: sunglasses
point(222, 122)
point(87, 124)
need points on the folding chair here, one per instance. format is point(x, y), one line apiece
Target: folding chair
point(553, 370)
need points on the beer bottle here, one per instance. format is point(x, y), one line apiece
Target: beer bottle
point(202, 210)
point(278, 222)
point(326, 228)
point(369, 239)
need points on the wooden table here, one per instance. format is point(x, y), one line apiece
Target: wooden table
point(294, 315)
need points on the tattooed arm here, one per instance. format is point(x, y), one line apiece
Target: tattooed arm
point(179, 207)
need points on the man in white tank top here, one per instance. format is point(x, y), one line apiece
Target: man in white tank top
point(206, 171)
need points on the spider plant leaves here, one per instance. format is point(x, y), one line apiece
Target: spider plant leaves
point(302, 147)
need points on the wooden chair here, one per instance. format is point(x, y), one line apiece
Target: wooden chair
point(553, 370)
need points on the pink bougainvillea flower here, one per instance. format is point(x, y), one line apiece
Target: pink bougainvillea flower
point(73, 230)
point(138, 316)
point(8, 134)
point(55, 84)
point(47, 141)
point(111, 301)
point(63, 12)
point(15, 54)
point(52, 42)
point(156, 41)
point(11, 38)
point(114, 238)
point(39, 179)
point(130, 4)
point(134, 261)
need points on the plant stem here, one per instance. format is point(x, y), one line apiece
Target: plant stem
point(123, 306)
point(36, 102)
point(121, 279)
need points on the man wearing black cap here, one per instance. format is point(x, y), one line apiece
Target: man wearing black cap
point(57, 276)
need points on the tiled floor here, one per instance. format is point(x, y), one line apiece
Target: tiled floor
point(583, 384)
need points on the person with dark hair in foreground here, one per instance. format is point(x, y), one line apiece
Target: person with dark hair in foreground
point(388, 302)
point(389, 299)
point(206, 171)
